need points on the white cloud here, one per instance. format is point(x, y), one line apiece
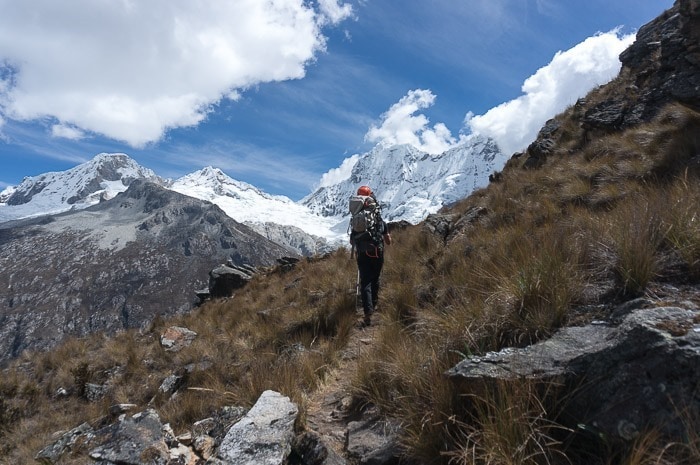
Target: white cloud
point(569, 76)
point(400, 125)
point(131, 70)
point(67, 132)
point(334, 12)
point(337, 175)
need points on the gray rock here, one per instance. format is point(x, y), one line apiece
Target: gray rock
point(65, 445)
point(373, 442)
point(264, 435)
point(624, 378)
point(224, 279)
point(95, 392)
point(133, 441)
point(313, 450)
point(176, 338)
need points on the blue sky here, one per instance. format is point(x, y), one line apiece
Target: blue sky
point(279, 93)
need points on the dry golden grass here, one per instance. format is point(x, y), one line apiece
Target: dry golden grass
point(510, 426)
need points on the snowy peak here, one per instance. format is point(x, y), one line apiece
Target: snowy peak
point(216, 182)
point(98, 179)
point(411, 184)
point(247, 204)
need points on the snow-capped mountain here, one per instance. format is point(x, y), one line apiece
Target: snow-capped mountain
point(302, 229)
point(411, 184)
point(99, 179)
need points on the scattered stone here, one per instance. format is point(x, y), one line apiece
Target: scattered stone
point(118, 409)
point(373, 442)
point(133, 441)
point(94, 392)
point(171, 384)
point(177, 338)
point(223, 280)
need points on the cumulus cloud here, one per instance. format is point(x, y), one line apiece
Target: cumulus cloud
point(131, 70)
point(337, 175)
point(67, 132)
point(569, 76)
point(401, 125)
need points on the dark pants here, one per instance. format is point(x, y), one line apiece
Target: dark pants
point(370, 268)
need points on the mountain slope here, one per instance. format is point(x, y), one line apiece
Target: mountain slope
point(114, 265)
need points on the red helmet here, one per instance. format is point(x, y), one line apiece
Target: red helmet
point(364, 190)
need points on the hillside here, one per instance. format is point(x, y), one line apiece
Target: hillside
point(115, 265)
point(551, 317)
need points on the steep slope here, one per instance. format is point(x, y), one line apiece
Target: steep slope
point(409, 183)
point(114, 265)
point(99, 179)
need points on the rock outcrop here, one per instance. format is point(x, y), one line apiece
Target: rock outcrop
point(661, 67)
point(637, 372)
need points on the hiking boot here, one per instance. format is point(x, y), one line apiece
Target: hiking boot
point(366, 321)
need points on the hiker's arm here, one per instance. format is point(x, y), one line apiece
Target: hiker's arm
point(385, 233)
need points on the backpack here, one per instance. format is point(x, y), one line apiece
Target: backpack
point(364, 215)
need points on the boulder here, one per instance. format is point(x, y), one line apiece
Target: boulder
point(264, 435)
point(66, 444)
point(625, 377)
point(225, 279)
point(313, 450)
point(373, 442)
point(133, 441)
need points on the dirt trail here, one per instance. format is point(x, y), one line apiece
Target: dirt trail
point(328, 407)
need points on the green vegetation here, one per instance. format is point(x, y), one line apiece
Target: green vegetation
point(596, 224)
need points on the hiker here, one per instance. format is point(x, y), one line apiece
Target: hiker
point(368, 233)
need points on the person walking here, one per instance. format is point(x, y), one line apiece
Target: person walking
point(368, 235)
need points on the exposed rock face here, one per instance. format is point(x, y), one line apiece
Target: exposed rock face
point(661, 67)
point(625, 377)
point(663, 63)
point(114, 265)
